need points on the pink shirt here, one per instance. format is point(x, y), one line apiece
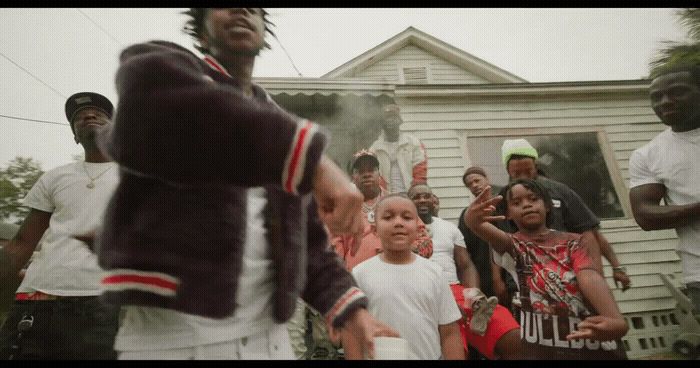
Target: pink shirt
point(371, 245)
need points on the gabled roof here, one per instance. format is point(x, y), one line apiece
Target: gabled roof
point(432, 45)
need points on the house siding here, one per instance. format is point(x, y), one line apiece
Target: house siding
point(628, 123)
point(440, 70)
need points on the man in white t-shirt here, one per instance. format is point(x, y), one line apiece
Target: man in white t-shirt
point(402, 158)
point(487, 326)
point(668, 168)
point(56, 313)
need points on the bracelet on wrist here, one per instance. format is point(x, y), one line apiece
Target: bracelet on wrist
point(620, 269)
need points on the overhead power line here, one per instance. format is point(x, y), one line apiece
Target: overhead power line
point(32, 120)
point(100, 27)
point(288, 56)
point(33, 76)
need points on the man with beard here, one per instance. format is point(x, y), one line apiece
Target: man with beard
point(487, 326)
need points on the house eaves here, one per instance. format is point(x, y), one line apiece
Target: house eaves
point(312, 86)
point(525, 89)
point(431, 44)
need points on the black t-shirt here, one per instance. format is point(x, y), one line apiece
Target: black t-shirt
point(569, 212)
point(480, 253)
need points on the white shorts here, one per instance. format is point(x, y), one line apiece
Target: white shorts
point(270, 344)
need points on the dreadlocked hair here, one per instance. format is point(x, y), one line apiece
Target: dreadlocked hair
point(539, 191)
point(194, 27)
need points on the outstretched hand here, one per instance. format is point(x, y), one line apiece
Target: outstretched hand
point(482, 208)
point(599, 328)
point(359, 332)
point(339, 202)
point(622, 280)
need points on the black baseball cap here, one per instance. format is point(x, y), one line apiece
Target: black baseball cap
point(82, 100)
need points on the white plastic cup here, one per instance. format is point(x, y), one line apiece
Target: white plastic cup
point(390, 348)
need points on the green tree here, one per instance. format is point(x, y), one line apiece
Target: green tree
point(679, 53)
point(15, 182)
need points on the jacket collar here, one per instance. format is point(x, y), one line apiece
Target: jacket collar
point(258, 91)
point(216, 65)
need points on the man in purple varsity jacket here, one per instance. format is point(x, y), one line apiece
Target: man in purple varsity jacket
point(214, 230)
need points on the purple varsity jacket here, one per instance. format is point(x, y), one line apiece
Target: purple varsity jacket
point(189, 143)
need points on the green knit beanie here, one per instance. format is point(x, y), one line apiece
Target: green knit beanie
point(517, 147)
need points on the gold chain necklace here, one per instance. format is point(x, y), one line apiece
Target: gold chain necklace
point(91, 184)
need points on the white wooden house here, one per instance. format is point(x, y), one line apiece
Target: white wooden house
point(462, 108)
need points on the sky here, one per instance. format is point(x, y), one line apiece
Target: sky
point(47, 55)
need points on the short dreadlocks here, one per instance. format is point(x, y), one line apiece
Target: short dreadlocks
point(693, 69)
point(195, 26)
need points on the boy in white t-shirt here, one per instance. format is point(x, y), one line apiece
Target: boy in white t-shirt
point(406, 291)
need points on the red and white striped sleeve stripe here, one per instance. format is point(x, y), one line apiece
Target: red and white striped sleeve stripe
point(295, 162)
point(214, 64)
point(152, 282)
point(342, 304)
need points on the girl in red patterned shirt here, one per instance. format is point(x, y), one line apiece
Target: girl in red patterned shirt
point(567, 310)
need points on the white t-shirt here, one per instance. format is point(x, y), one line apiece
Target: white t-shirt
point(446, 236)
point(63, 265)
point(671, 159)
point(412, 298)
point(397, 185)
point(146, 328)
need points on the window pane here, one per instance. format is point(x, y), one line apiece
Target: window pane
point(574, 159)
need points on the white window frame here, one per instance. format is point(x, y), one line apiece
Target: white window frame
point(603, 142)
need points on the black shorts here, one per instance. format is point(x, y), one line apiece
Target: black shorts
point(67, 328)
